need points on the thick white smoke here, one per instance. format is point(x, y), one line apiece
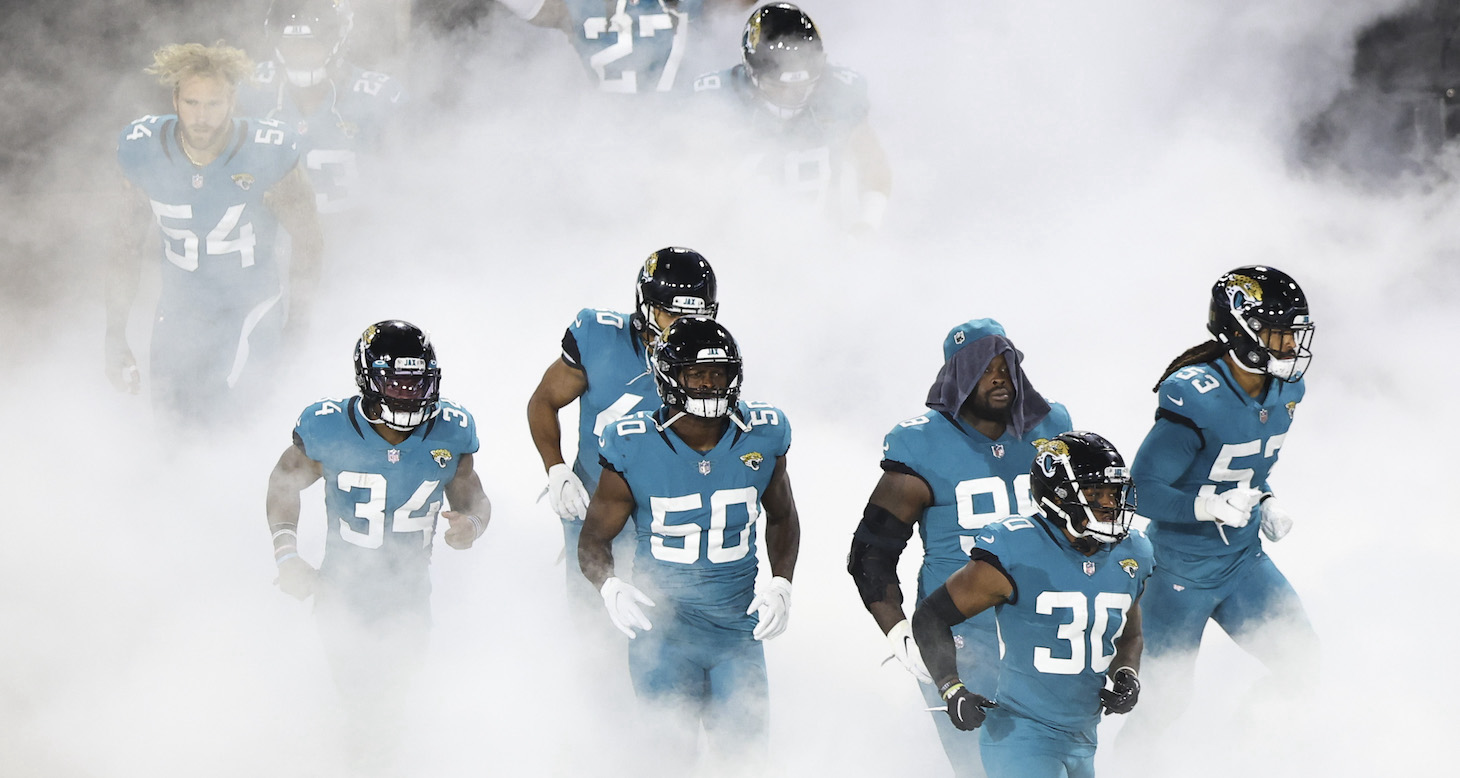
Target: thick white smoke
point(1081, 172)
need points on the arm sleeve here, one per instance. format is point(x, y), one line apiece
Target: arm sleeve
point(1164, 456)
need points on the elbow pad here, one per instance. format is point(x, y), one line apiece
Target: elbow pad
point(876, 548)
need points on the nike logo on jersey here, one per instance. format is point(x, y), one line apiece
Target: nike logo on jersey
point(1173, 399)
point(986, 538)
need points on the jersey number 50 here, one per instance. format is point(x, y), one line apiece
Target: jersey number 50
point(721, 543)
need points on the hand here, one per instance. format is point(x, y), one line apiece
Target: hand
point(1232, 507)
point(464, 529)
point(297, 578)
point(774, 607)
point(1276, 523)
point(622, 601)
point(1125, 689)
point(965, 708)
point(905, 649)
point(121, 366)
point(566, 493)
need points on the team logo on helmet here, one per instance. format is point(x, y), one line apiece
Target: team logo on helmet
point(369, 334)
point(442, 456)
point(244, 180)
point(651, 265)
point(1243, 292)
point(752, 33)
point(1048, 453)
point(752, 460)
point(1130, 566)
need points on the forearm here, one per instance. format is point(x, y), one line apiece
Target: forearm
point(283, 517)
point(932, 628)
point(1163, 459)
point(783, 545)
point(595, 558)
point(547, 432)
point(888, 613)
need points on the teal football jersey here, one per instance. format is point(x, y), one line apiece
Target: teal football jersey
point(348, 124)
point(695, 514)
point(975, 482)
point(635, 46)
point(804, 155)
point(1058, 629)
point(382, 500)
point(1209, 437)
point(605, 347)
point(217, 235)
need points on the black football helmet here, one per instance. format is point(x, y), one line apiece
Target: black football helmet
point(783, 56)
point(308, 36)
point(1253, 305)
point(677, 280)
point(1069, 474)
point(396, 370)
point(697, 340)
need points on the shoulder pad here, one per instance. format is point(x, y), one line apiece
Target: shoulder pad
point(1193, 392)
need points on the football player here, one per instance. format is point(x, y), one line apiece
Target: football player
point(216, 187)
point(950, 472)
point(696, 476)
point(1065, 586)
point(805, 126)
point(391, 457)
point(633, 46)
point(1224, 408)
point(604, 365)
point(340, 112)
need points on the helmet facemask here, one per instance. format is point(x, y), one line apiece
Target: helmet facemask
point(1261, 315)
point(404, 395)
point(397, 374)
point(710, 396)
point(1080, 480)
point(309, 37)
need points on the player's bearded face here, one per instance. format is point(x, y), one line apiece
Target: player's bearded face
point(204, 106)
point(993, 396)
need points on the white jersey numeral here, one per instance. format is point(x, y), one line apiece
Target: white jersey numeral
point(1079, 631)
point(621, 25)
point(999, 491)
point(180, 245)
point(720, 544)
point(372, 510)
point(620, 408)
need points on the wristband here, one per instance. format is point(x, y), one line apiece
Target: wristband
point(281, 559)
point(950, 688)
point(477, 523)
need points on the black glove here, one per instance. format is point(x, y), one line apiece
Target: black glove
point(1125, 690)
point(965, 708)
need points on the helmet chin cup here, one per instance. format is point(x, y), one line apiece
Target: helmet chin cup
point(306, 78)
point(707, 408)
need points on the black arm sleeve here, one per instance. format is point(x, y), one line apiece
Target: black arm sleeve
point(876, 548)
point(570, 350)
point(932, 627)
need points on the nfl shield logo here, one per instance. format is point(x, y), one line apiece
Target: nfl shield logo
point(1089, 568)
point(197, 180)
point(999, 450)
point(705, 466)
point(392, 456)
point(1262, 415)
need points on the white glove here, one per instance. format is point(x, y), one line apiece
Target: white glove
point(774, 607)
point(1232, 507)
point(566, 493)
point(905, 649)
point(622, 601)
point(1276, 523)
